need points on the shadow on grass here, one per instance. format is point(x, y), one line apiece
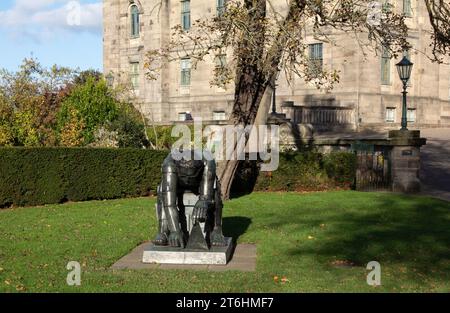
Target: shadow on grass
point(412, 232)
point(235, 226)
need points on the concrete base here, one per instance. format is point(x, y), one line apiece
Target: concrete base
point(243, 260)
point(169, 255)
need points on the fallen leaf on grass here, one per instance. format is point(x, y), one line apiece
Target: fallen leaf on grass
point(20, 288)
point(343, 263)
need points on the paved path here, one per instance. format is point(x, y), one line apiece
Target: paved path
point(435, 163)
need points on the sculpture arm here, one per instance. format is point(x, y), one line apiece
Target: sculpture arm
point(206, 191)
point(169, 193)
point(207, 183)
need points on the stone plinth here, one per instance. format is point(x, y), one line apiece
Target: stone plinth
point(405, 160)
point(169, 255)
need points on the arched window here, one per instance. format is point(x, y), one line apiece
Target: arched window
point(134, 10)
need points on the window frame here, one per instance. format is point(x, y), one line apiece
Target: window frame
point(394, 114)
point(214, 114)
point(408, 119)
point(220, 7)
point(186, 15)
point(385, 66)
point(185, 72)
point(408, 12)
point(180, 114)
point(135, 31)
point(135, 74)
point(315, 55)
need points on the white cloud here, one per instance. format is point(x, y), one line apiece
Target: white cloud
point(44, 19)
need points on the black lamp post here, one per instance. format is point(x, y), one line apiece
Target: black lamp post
point(404, 68)
point(274, 98)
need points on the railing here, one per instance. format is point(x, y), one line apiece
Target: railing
point(323, 115)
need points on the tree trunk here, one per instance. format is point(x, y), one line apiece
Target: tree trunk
point(249, 93)
point(252, 79)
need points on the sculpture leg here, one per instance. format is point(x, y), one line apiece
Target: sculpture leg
point(217, 238)
point(169, 196)
point(163, 229)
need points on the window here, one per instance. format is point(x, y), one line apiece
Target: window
point(385, 66)
point(411, 115)
point(134, 74)
point(390, 115)
point(134, 21)
point(219, 116)
point(221, 60)
point(316, 58)
point(386, 7)
point(407, 7)
point(220, 63)
point(185, 72)
point(186, 14)
point(184, 116)
point(220, 7)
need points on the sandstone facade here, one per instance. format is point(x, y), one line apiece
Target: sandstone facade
point(361, 100)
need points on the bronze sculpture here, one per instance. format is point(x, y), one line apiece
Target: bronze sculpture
point(195, 174)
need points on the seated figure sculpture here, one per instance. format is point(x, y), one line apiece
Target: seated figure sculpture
point(196, 175)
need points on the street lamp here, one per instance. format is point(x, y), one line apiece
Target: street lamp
point(404, 68)
point(274, 85)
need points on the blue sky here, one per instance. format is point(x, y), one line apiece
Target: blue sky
point(63, 32)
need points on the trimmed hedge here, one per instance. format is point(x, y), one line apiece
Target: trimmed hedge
point(34, 176)
point(300, 171)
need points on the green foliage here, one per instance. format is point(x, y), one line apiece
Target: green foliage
point(29, 101)
point(160, 136)
point(6, 123)
point(24, 128)
point(94, 104)
point(33, 176)
point(130, 130)
point(309, 170)
point(59, 106)
point(340, 166)
point(84, 76)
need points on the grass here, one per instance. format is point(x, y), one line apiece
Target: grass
point(298, 236)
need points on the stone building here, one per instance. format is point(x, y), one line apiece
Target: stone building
point(368, 95)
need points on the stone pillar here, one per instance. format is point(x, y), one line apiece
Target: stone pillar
point(405, 160)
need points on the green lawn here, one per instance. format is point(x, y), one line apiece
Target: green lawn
point(298, 236)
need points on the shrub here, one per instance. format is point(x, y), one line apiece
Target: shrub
point(34, 176)
point(308, 171)
point(129, 128)
point(94, 104)
point(340, 166)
